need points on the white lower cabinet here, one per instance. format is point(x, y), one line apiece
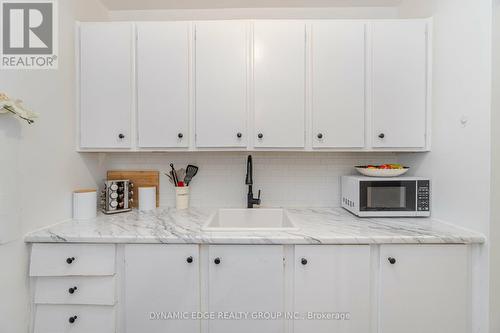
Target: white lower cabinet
point(246, 279)
point(334, 281)
point(161, 281)
point(423, 288)
point(74, 319)
point(163, 288)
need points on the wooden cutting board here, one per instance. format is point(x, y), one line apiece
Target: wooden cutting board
point(140, 178)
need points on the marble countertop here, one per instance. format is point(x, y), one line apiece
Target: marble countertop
point(317, 226)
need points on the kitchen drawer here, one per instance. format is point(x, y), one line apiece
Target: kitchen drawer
point(89, 319)
point(98, 290)
point(72, 259)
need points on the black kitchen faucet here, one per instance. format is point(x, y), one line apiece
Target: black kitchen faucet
point(249, 181)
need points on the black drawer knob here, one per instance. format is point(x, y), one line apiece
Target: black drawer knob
point(303, 261)
point(392, 260)
point(72, 290)
point(180, 135)
point(121, 136)
point(381, 135)
point(189, 259)
point(217, 261)
point(239, 135)
point(72, 319)
point(320, 135)
point(70, 260)
point(260, 135)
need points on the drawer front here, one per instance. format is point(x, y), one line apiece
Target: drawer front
point(98, 290)
point(72, 259)
point(56, 319)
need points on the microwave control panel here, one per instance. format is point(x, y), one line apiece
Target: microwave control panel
point(423, 198)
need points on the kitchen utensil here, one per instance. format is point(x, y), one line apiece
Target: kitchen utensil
point(169, 175)
point(181, 173)
point(375, 172)
point(140, 178)
point(174, 175)
point(191, 171)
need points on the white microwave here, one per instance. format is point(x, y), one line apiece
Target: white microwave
point(388, 197)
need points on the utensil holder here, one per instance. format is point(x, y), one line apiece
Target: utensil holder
point(182, 197)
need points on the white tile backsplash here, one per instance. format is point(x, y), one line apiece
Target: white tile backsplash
point(285, 178)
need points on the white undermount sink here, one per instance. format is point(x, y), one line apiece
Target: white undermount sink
point(256, 219)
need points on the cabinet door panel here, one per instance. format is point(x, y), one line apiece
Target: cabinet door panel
point(158, 279)
point(338, 84)
point(162, 84)
point(425, 290)
point(399, 84)
point(335, 279)
point(221, 84)
point(247, 279)
point(105, 85)
point(279, 84)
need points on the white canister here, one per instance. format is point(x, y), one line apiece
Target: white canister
point(147, 198)
point(182, 197)
point(84, 204)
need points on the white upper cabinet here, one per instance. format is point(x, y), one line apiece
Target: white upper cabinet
point(423, 288)
point(222, 52)
point(279, 84)
point(399, 83)
point(163, 84)
point(338, 84)
point(105, 85)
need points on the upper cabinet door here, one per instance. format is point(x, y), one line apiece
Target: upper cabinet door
point(279, 84)
point(163, 84)
point(338, 84)
point(221, 83)
point(105, 85)
point(399, 84)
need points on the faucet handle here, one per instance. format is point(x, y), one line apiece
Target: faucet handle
point(258, 198)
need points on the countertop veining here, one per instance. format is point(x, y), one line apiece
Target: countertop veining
point(317, 226)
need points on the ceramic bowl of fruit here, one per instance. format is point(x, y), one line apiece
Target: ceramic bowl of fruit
point(384, 170)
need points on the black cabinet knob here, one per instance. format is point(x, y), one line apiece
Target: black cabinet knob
point(239, 135)
point(180, 135)
point(320, 135)
point(392, 260)
point(121, 136)
point(70, 260)
point(260, 135)
point(303, 261)
point(189, 259)
point(72, 319)
point(72, 290)
point(217, 261)
point(381, 135)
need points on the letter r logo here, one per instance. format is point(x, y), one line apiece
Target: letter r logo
point(27, 27)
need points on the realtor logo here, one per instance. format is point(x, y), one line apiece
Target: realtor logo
point(29, 34)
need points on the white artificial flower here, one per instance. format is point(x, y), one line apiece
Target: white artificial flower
point(15, 107)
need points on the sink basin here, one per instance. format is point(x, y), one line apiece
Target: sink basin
point(256, 219)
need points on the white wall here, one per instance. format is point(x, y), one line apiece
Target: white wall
point(460, 159)
point(495, 177)
point(38, 165)
point(286, 179)
point(257, 13)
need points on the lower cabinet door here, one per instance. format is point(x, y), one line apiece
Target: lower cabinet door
point(423, 289)
point(74, 319)
point(246, 280)
point(332, 289)
point(161, 287)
